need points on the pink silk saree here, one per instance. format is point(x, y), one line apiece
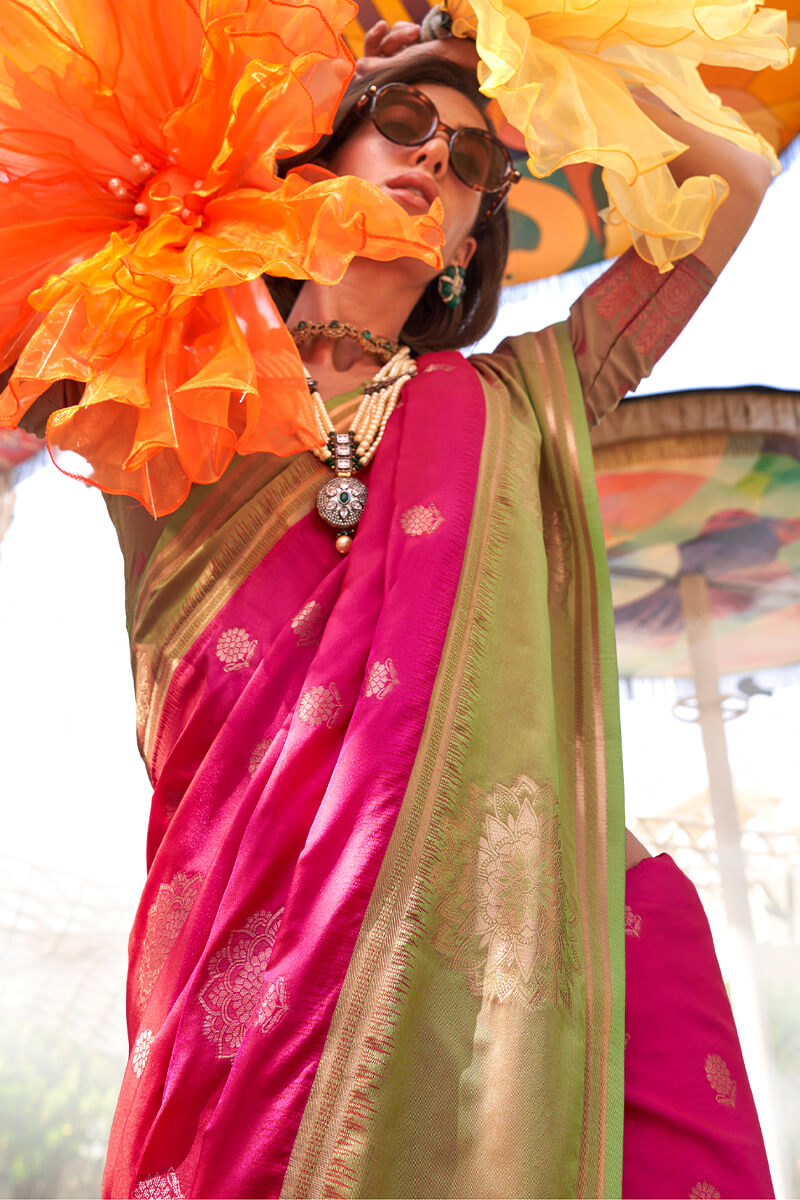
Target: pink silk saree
point(691, 1127)
point(381, 948)
point(383, 913)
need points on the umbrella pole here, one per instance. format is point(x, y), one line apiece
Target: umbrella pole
point(744, 981)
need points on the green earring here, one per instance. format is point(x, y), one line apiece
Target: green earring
point(451, 285)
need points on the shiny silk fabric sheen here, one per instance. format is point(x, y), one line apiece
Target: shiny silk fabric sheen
point(303, 834)
point(319, 730)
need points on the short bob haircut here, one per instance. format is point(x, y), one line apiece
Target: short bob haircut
point(432, 325)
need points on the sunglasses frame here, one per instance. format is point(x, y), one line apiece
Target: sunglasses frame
point(365, 106)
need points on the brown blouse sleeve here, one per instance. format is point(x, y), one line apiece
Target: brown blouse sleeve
point(626, 320)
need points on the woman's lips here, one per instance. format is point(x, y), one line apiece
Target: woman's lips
point(415, 189)
point(409, 198)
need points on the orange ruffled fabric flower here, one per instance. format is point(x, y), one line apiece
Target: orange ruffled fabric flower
point(140, 206)
point(563, 75)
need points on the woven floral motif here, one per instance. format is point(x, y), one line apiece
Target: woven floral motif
point(159, 1187)
point(307, 626)
point(257, 755)
point(273, 1005)
point(558, 545)
point(144, 687)
point(141, 1052)
point(235, 649)
point(652, 327)
point(165, 919)
point(237, 994)
point(320, 705)
point(421, 519)
point(704, 1191)
point(633, 922)
point(381, 679)
point(506, 920)
point(719, 1077)
point(523, 469)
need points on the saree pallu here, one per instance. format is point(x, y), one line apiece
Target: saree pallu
point(380, 947)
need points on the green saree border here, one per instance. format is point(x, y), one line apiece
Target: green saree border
point(605, 670)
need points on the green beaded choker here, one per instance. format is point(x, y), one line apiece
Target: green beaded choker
point(372, 343)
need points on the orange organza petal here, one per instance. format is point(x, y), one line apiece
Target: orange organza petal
point(563, 76)
point(271, 77)
point(349, 217)
point(138, 150)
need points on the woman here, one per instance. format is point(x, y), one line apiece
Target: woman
point(380, 950)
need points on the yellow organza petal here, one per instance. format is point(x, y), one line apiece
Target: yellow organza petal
point(564, 78)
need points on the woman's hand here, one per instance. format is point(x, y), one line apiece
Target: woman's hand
point(383, 42)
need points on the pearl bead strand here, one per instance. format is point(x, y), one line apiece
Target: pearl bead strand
point(377, 405)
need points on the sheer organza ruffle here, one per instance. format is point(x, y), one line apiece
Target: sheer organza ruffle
point(563, 76)
point(140, 206)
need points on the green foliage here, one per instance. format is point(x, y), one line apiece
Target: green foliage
point(57, 1099)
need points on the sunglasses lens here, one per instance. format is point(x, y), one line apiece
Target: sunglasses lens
point(479, 160)
point(404, 116)
point(408, 117)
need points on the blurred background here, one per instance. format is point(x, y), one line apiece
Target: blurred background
point(699, 481)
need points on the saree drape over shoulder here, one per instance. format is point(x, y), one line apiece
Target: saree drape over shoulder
point(380, 951)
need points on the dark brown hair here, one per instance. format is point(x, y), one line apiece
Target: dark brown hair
point(431, 325)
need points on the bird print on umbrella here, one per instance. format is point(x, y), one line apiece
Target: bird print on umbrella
point(738, 554)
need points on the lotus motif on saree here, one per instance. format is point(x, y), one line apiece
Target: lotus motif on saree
point(704, 1191)
point(721, 1081)
point(238, 994)
point(141, 1052)
point(165, 920)
point(159, 1187)
point(505, 918)
point(257, 755)
point(235, 649)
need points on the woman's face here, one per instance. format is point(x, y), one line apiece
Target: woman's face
point(414, 175)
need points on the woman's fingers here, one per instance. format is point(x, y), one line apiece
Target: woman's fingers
point(373, 38)
point(401, 35)
point(382, 41)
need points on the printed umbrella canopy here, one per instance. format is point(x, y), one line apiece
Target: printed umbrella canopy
point(703, 483)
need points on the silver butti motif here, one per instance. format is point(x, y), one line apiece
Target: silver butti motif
point(341, 501)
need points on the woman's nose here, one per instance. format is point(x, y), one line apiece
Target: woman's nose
point(434, 154)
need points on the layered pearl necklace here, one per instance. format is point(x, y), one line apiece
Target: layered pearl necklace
point(342, 499)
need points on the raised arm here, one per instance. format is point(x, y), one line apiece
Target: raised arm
point(629, 317)
point(747, 175)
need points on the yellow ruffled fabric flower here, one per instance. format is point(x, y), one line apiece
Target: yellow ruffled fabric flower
point(563, 75)
point(141, 202)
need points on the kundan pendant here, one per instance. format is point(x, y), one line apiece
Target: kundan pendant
point(341, 500)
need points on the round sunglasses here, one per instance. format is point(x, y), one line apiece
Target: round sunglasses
point(408, 117)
